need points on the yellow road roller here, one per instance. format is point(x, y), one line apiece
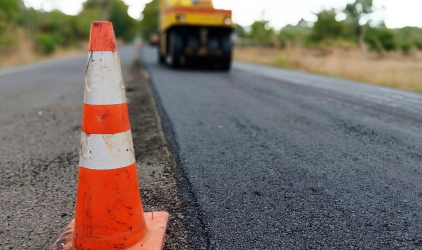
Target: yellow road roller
point(193, 33)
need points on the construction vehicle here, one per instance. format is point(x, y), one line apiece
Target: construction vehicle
point(193, 32)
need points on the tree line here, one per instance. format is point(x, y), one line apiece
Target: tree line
point(356, 30)
point(52, 30)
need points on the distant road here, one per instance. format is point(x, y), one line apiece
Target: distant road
point(277, 159)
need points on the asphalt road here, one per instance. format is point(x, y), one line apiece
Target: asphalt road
point(40, 118)
point(270, 159)
point(277, 159)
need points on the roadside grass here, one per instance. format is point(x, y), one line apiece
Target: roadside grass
point(29, 57)
point(392, 70)
point(25, 51)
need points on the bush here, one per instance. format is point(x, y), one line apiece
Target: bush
point(381, 39)
point(293, 35)
point(261, 33)
point(286, 36)
point(124, 25)
point(46, 43)
point(327, 27)
point(406, 47)
point(418, 43)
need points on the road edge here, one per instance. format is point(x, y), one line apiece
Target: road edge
point(198, 233)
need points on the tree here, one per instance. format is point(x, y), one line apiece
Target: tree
point(100, 5)
point(381, 39)
point(240, 31)
point(296, 35)
point(262, 33)
point(357, 14)
point(11, 16)
point(149, 23)
point(124, 25)
point(327, 27)
point(9, 10)
point(114, 11)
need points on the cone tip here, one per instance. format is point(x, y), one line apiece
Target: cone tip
point(102, 37)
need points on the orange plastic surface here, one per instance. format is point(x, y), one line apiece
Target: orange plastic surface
point(109, 212)
point(102, 37)
point(156, 236)
point(154, 240)
point(105, 119)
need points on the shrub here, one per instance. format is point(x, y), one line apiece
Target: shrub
point(261, 33)
point(46, 43)
point(406, 47)
point(327, 27)
point(380, 39)
point(293, 35)
point(418, 43)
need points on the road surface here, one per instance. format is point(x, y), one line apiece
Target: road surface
point(270, 159)
point(278, 159)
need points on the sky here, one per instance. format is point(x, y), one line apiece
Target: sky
point(397, 13)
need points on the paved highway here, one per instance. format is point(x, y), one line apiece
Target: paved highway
point(276, 159)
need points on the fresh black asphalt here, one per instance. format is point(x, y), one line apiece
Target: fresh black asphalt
point(277, 159)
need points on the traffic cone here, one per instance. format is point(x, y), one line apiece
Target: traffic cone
point(109, 213)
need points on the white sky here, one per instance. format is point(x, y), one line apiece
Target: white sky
point(398, 13)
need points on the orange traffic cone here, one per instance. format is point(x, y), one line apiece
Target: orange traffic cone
point(109, 212)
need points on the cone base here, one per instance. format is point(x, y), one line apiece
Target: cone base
point(154, 240)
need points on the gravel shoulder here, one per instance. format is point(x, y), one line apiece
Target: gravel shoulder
point(158, 173)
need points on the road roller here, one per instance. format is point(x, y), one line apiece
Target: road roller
point(193, 33)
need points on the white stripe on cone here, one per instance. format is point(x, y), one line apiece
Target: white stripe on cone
point(109, 151)
point(104, 82)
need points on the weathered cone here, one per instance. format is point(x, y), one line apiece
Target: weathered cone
point(109, 213)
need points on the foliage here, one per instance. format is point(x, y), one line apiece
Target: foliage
point(262, 33)
point(124, 25)
point(96, 4)
point(288, 35)
point(410, 37)
point(83, 21)
point(294, 35)
point(418, 43)
point(46, 43)
point(59, 27)
point(50, 30)
point(381, 39)
point(239, 30)
point(149, 22)
point(327, 27)
point(406, 47)
point(328, 32)
point(357, 16)
point(9, 13)
point(10, 10)
point(359, 11)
